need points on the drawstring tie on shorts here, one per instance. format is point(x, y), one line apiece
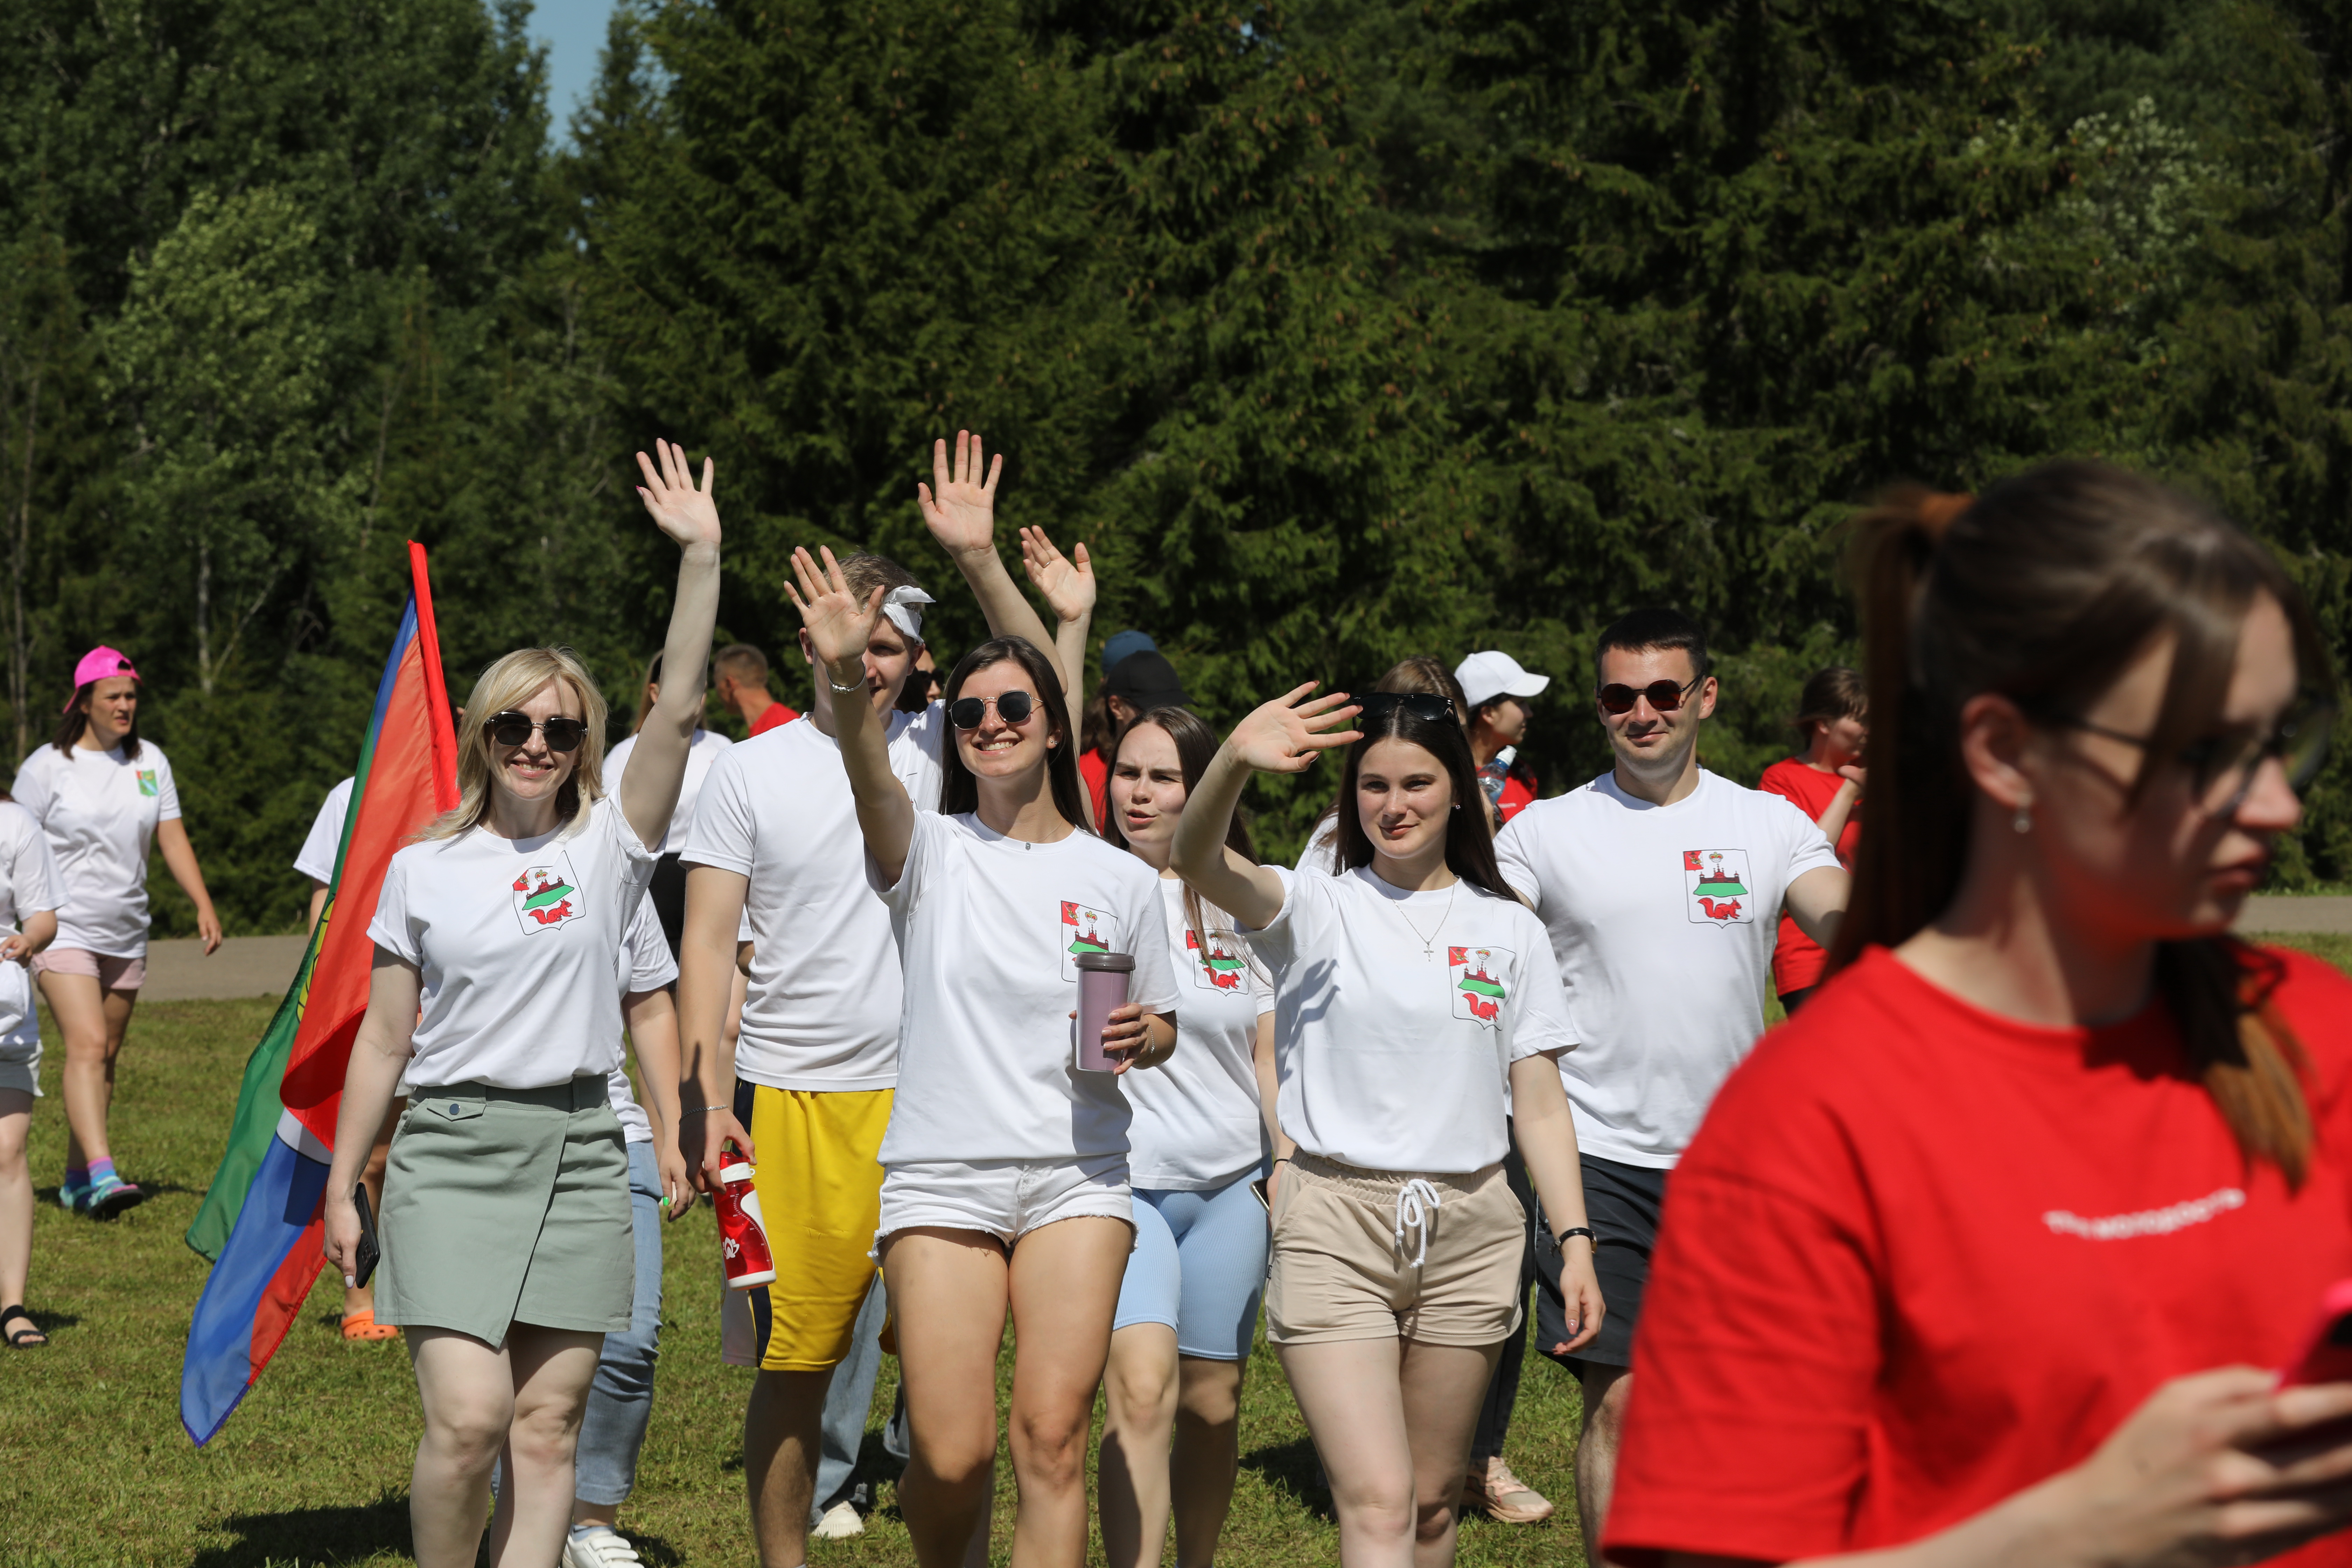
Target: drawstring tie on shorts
point(1411, 1215)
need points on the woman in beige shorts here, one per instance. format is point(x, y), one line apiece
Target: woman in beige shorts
point(1411, 988)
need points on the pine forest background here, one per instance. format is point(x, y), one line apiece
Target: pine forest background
point(1339, 331)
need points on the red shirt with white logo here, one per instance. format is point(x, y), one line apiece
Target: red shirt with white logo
point(1920, 1257)
point(1798, 960)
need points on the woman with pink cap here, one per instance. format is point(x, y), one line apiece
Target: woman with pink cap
point(101, 796)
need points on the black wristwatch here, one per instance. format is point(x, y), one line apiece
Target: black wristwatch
point(1585, 1231)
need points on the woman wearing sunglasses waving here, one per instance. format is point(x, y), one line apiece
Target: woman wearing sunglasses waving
point(506, 1232)
point(1006, 1158)
point(1990, 1255)
point(1410, 989)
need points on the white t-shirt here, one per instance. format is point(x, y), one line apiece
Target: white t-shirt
point(1663, 921)
point(1197, 1123)
point(519, 944)
point(645, 965)
point(29, 883)
point(1398, 1016)
point(822, 1007)
point(1322, 851)
point(99, 810)
point(702, 755)
point(988, 931)
point(317, 860)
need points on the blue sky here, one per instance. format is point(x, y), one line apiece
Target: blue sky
point(574, 32)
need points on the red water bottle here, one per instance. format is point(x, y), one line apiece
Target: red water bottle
point(742, 1238)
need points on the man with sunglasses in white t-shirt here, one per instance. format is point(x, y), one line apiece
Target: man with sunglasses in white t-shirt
point(1662, 887)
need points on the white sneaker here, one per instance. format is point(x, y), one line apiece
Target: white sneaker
point(841, 1522)
point(598, 1547)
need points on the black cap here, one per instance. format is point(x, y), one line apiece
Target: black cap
point(1144, 681)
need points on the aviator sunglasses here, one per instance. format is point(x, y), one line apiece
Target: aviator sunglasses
point(1419, 704)
point(1664, 695)
point(513, 729)
point(1013, 707)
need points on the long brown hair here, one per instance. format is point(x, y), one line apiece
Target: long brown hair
point(1469, 843)
point(2044, 589)
point(959, 790)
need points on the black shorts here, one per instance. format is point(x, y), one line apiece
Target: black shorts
point(1622, 1202)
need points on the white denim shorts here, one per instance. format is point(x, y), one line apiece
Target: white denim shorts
point(1006, 1199)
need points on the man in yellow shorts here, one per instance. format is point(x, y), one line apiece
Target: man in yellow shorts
point(809, 1083)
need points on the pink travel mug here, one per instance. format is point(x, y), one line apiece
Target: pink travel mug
point(1102, 989)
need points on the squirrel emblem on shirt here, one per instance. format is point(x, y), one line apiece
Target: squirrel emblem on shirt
point(546, 897)
point(1479, 991)
point(1717, 883)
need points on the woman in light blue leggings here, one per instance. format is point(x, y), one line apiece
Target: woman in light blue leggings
point(1188, 1305)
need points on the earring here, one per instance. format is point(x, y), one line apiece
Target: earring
point(2023, 820)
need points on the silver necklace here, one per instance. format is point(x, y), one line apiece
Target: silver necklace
point(1429, 941)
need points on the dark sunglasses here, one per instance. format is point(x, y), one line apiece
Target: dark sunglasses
point(1013, 707)
point(1664, 695)
point(1419, 704)
point(513, 729)
point(2221, 768)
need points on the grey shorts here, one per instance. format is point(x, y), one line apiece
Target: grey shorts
point(505, 1206)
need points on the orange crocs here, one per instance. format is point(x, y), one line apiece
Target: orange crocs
point(359, 1326)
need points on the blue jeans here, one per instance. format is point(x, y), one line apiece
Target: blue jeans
point(621, 1399)
point(847, 1400)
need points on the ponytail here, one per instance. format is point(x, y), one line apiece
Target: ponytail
point(2044, 590)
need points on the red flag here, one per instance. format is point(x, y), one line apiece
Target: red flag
point(1069, 913)
point(1457, 955)
point(411, 778)
point(1690, 860)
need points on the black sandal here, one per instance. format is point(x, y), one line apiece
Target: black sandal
point(27, 1338)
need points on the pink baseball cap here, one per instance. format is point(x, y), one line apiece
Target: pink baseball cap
point(101, 663)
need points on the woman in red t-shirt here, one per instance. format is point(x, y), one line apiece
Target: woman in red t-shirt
point(1825, 783)
point(1983, 1258)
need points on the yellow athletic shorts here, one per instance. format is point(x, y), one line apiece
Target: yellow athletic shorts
point(820, 1191)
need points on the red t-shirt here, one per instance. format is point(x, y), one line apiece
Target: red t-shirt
point(1095, 768)
point(774, 716)
point(1797, 959)
point(1518, 793)
point(1920, 1257)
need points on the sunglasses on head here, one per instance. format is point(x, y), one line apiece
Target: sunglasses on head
point(1664, 695)
point(513, 729)
point(1013, 707)
point(1419, 704)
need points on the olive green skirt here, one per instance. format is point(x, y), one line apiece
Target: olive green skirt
point(505, 1206)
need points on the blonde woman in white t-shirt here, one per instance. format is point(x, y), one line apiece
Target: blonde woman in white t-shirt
point(506, 1229)
point(1005, 1165)
point(102, 795)
point(1418, 1018)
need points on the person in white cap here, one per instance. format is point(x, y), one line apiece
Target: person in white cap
point(1497, 691)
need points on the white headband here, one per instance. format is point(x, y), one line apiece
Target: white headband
point(899, 603)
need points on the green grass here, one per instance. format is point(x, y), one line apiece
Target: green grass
point(313, 1469)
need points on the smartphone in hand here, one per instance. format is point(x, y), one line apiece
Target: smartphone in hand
point(368, 1253)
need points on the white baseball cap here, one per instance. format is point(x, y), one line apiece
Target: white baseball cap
point(1488, 675)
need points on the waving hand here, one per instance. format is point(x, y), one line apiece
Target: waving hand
point(687, 514)
point(958, 508)
point(1286, 735)
point(1066, 581)
point(837, 623)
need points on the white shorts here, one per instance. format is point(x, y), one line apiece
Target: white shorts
point(1006, 1199)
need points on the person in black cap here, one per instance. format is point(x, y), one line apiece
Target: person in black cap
point(1135, 685)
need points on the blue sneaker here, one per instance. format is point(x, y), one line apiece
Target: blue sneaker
point(73, 1196)
point(110, 1195)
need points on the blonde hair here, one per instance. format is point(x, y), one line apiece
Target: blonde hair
point(508, 683)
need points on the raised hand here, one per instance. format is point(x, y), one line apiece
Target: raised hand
point(687, 514)
point(837, 623)
point(1286, 735)
point(958, 508)
point(1068, 585)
